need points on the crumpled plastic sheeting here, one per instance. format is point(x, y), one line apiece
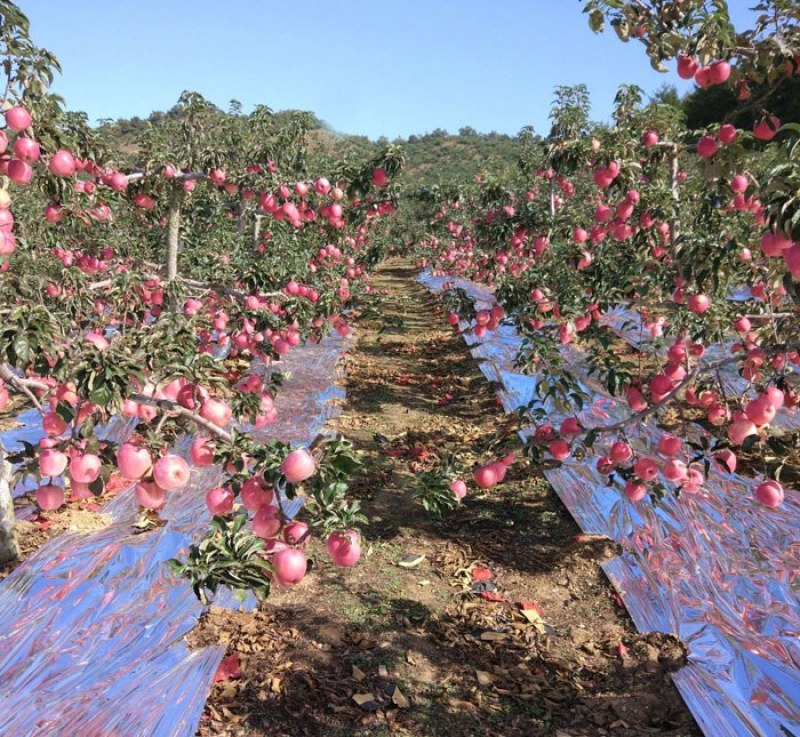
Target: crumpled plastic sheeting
point(740, 294)
point(627, 324)
point(92, 641)
point(716, 568)
point(27, 427)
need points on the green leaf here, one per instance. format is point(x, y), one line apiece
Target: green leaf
point(65, 411)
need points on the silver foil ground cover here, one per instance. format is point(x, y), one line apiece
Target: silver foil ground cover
point(93, 623)
point(715, 568)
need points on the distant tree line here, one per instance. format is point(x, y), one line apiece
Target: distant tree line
point(440, 157)
point(704, 106)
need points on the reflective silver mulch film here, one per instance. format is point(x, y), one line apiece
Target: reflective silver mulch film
point(716, 568)
point(93, 623)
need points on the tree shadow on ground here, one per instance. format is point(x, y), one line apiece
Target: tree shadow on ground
point(433, 660)
point(425, 626)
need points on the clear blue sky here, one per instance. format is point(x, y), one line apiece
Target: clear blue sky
point(370, 67)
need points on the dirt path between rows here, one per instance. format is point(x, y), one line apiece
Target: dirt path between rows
point(443, 648)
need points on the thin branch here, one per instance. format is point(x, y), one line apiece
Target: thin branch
point(170, 406)
point(229, 291)
point(108, 282)
point(757, 102)
point(137, 175)
point(688, 379)
point(162, 421)
point(26, 386)
point(23, 385)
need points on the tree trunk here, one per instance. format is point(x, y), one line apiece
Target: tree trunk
point(675, 225)
point(173, 231)
point(257, 231)
point(9, 547)
point(241, 222)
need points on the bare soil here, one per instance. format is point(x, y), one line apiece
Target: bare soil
point(507, 626)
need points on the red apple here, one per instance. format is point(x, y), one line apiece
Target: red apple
point(687, 66)
point(344, 548)
point(26, 149)
point(295, 532)
point(171, 472)
point(150, 495)
point(769, 493)
point(620, 452)
point(49, 498)
point(635, 490)
point(267, 521)
point(85, 468)
point(52, 462)
point(459, 488)
point(219, 500)
point(290, 566)
point(133, 462)
point(298, 466)
point(62, 163)
point(485, 477)
point(216, 411)
point(18, 118)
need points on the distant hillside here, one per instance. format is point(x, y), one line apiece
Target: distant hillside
point(439, 157)
point(430, 157)
point(442, 157)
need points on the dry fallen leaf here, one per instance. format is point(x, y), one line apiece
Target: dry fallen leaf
point(484, 678)
point(399, 699)
point(489, 636)
point(411, 561)
point(366, 701)
point(230, 716)
point(461, 704)
point(535, 619)
point(358, 674)
point(228, 690)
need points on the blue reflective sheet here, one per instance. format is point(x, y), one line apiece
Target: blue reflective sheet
point(92, 640)
point(716, 568)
